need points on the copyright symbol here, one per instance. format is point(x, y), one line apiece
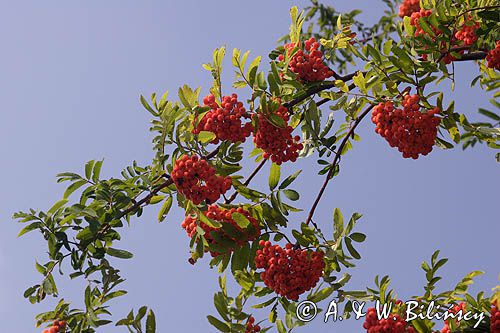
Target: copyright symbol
point(306, 311)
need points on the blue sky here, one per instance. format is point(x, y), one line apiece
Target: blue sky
point(71, 74)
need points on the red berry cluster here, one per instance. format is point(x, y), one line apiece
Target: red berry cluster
point(289, 272)
point(409, 7)
point(225, 121)
point(412, 131)
point(465, 36)
point(393, 324)
point(277, 142)
point(495, 320)
point(454, 310)
point(223, 216)
point(467, 33)
point(415, 16)
point(493, 57)
point(308, 63)
point(251, 327)
point(197, 180)
point(57, 327)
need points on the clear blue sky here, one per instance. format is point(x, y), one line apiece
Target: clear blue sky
point(70, 77)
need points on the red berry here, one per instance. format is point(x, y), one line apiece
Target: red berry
point(225, 121)
point(493, 57)
point(277, 143)
point(393, 324)
point(495, 320)
point(408, 129)
point(307, 63)
point(289, 272)
point(454, 309)
point(464, 36)
point(197, 181)
point(223, 216)
point(409, 7)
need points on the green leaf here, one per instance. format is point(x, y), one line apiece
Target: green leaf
point(241, 220)
point(165, 208)
point(88, 168)
point(96, 171)
point(209, 222)
point(30, 227)
point(360, 82)
point(264, 304)
point(239, 260)
point(221, 326)
point(122, 254)
point(410, 29)
point(489, 114)
point(113, 294)
point(156, 199)
point(73, 187)
point(151, 322)
point(357, 237)
point(338, 221)
point(205, 136)
point(279, 325)
point(322, 294)
point(274, 176)
point(148, 107)
point(288, 180)
point(351, 249)
point(56, 206)
point(291, 194)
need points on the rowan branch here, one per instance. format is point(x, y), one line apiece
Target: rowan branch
point(249, 179)
point(473, 56)
point(316, 89)
point(335, 162)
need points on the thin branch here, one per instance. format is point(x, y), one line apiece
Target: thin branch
point(314, 90)
point(335, 162)
point(249, 179)
point(473, 56)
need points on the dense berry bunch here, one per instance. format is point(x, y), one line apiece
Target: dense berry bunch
point(308, 63)
point(225, 121)
point(197, 180)
point(277, 142)
point(393, 324)
point(251, 327)
point(495, 320)
point(57, 327)
point(289, 272)
point(493, 57)
point(408, 129)
point(467, 33)
point(223, 216)
point(415, 16)
point(409, 7)
point(454, 310)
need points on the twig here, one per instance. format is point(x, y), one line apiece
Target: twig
point(249, 179)
point(335, 162)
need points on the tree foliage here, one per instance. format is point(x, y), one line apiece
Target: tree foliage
point(370, 65)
